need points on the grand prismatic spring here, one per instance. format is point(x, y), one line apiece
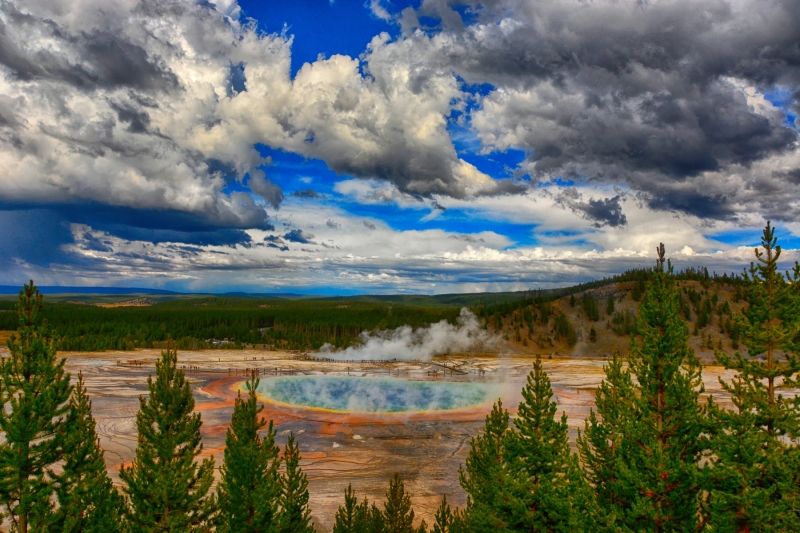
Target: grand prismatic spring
point(355, 423)
point(367, 395)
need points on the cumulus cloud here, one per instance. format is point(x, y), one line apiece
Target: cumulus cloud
point(158, 105)
point(128, 132)
point(656, 95)
point(103, 105)
point(406, 343)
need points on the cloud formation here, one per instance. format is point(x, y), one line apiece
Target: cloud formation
point(159, 104)
point(135, 135)
point(602, 212)
point(654, 95)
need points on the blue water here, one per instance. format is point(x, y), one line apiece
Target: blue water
point(373, 395)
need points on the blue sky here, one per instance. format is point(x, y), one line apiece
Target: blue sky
point(348, 147)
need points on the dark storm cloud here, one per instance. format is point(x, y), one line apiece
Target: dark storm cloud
point(100, 216)
point(607, 211)
point(602, 212)
point(104, 59)
point(218, 237)
point(273, 241)
point(636, 92)
point(701, 41)
point(136, 224)
point(34, 236)
point(266, 189)
point(791, 176)
point(299, 236)
point(138, 119)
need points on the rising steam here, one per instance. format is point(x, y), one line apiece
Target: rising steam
point(421, 344)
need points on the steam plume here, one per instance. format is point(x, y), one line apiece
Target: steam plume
point(422, 344)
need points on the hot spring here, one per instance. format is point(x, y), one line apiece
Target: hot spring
point(372, 395)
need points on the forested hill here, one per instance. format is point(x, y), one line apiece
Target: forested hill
point(539, 321)
point(601, 320)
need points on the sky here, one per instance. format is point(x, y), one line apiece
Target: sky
point(433, 146)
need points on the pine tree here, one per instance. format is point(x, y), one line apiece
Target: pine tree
point(661, 450)
point(484, 477)
point(753, 482)
point(398, 515)
point(88, 502)
point(744, 483)
point(444, 517)
point(459, 522)
point(167, 489)
point(34, 390)
point(600, 443)
point(248, 490)
point(544, 481)
point(352, 517)
point(770, 326)
point(294, 515)
point(374, 518)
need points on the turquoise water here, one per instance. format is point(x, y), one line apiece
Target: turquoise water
point(373, 395)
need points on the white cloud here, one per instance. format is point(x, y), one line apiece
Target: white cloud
point(138, 104)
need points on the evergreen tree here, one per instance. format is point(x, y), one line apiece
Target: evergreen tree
point(600, 443)
point(167, 489)
point(444, 517)
point(248, 490)
point(745, 485)
point(753, 482)
point(88, 501)
point(352, 517)
point(374, 517)
point(398, 515)
point(544, 481)
point(484, 476)
point(662, 445)
point(34, 390)
point(294, 515)
point(458, 523)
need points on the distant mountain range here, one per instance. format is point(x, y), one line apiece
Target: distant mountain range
point(56, 289)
